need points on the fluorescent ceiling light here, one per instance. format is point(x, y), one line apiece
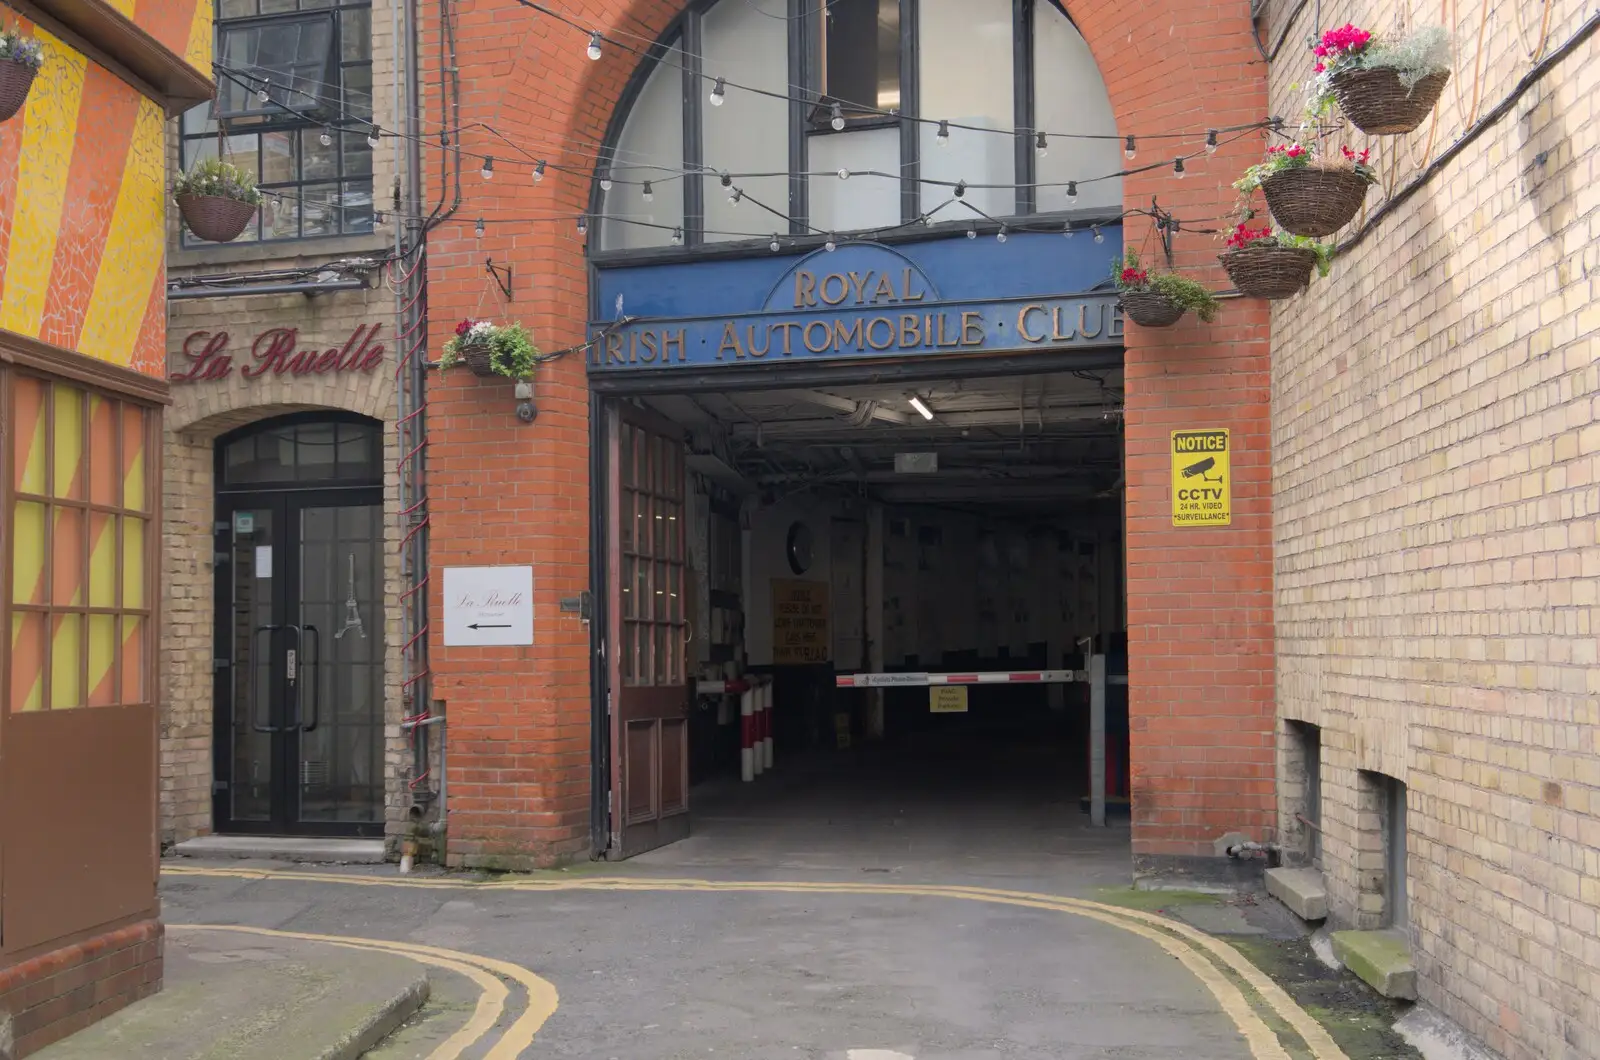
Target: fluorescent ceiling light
point(917, 404)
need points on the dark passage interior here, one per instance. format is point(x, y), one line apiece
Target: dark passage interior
point(942, 527)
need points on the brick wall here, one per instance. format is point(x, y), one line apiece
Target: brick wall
point(1199, 600)
point(44, 999)
point(1436, 560)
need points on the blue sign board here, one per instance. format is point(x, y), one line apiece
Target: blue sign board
point(862, 300)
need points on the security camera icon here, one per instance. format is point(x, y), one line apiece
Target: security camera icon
point(1200, 467)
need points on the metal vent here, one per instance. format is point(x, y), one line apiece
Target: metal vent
point(313, 774)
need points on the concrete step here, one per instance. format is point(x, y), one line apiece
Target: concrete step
point(253, 997)
point(1301, 890)
point(284, 848)
point(1382, 959)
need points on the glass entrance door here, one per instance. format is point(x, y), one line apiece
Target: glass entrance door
point(299, 660)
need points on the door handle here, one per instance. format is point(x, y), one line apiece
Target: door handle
point(314, 678)
point(253, 705)
point(291, 679)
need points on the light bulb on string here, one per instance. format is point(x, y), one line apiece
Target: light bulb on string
point(961, 189)
point(844, 174)
point(1211, 141)
point(972, 233)
point(1072, 192)
point(264, 93)
point(538, 171)
point(1128, 149)
point(583, 225)
point(372, 136)
point(594, 45)
point(478, 229)
point(1041, 145)
point(1099, 236)
point(837, 121)
point(326, 139)
point(605, 180)
point(830, 246)
point(677, 237)
point(942, 137)
point(726, 179)
point(1177, 168)
point(774, 246)
point(487, 172)
point(648, 192)
point(734, 196)
point(1000, 236)
point(1066, 229)
point(719, 92)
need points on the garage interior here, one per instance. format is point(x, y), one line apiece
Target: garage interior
point(955, 525)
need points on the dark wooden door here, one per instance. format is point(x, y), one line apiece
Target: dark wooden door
point(649, 632)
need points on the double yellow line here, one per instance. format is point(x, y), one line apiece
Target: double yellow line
point(1223, 970)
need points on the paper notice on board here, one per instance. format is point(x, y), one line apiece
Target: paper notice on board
point(263, 561)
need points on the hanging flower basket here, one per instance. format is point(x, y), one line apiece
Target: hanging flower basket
point(1379, 104)
point(488, 350)
point(1157, 300)
point(215, 217)
point(1315, 201)
point(1269, 271)
point(478, 357)
point(20, 59)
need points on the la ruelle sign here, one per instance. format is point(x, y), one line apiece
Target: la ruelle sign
point(210, 355)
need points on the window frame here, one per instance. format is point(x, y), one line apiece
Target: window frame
point(809, 116)
point(268, 113)
point(12, 496)
point(350, 220)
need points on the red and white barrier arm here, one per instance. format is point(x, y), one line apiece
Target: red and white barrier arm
point(1005, 677)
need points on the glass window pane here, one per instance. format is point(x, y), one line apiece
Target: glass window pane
point(135, 660)
point(1070, 96)
point(355, 33)
point(749, 133)
point(28, 433)
point(662, 610)
point(102, 560)
point(28, 660)
point(67, 558)
point(235, 8)
point(355, 206)
point(863, 201)
point(861, 52)
point(281, 214)
point(68, 437)
point(357, 154)
point(319, 209)
point(966, 78)
point(135, 483)
point(102, 660)
point(318, 162)
point(663, 668)
point(103, 469)
point(27, 553)
point(357, 83)
point(133, 564)
point(280, 157)
point(66, 661)
point(649, 149)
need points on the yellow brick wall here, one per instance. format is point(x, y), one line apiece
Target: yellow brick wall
point(1436, 451)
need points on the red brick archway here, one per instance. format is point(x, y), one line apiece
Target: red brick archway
point(1199, 601)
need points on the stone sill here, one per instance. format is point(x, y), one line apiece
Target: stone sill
point(1302, 890)
point(1381, 959)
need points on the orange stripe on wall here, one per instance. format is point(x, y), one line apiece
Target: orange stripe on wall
point(168, 21)
point(10, 153)
point(105, 128)
point(150, 349)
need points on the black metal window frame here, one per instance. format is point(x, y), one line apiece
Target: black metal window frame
point(339, 189)
point(805, 36)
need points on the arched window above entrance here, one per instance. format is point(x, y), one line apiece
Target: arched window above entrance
point(307, 450)
point(998, 71)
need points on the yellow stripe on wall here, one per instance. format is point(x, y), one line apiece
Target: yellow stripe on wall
point(134, 246)
point(122, 7)
point(47, 142)
point(198, 52)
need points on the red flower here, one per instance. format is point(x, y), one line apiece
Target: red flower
point(464, 327)
point(1135, 277)
point(1319, 67)
point(1360, 159)
point(1346, 40)
point(1243, 235)
point(1295, 151)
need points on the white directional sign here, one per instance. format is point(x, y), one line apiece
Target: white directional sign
point(488, 606)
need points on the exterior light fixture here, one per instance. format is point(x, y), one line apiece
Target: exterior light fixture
point(372, 136)
point(487, 172)
point(478, 230)
point(837, 121)
point(326, 139)
point(594, 45)
point(922, 409)
point(1000, 236)
point(961, 189)
point(1211, 141)
point(1072, 192)
point(583, 225)
point(719, 92)
point(942, 137)
point(538, 171)
point(1041, 145)
point(1177, 168)
point(1128, 149)
point(648, 192)
point(605, 180)
point(677, 237)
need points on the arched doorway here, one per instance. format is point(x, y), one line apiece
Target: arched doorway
point(299, 658)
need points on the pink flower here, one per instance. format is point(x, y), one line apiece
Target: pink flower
point(1295, 151)
point(463, 327)
point(1319, 68)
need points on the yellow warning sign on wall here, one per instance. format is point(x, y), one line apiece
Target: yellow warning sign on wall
point(1202, 482)
point(947, 699)
point(800, 615)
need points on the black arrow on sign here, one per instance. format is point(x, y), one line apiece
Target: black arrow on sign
point(480, 625)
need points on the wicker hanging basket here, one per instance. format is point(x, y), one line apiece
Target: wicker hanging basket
point(1314, 202)
point(215, 217)
point(1269, 271)
point(1150, 309)
point(1379, 105)
point(16, 79)
point(477, 357)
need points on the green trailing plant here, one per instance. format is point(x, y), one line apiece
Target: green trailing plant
point(1419, 54)
point(1283, 157)
point(1131, 276)
point(1243, 237)
point(213, 176)
point(512, 352)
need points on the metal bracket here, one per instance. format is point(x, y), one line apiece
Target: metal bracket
point(581, 605)
point(1166, 225)
point(496, 271)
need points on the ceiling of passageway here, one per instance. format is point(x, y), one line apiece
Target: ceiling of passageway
point(1021, 442)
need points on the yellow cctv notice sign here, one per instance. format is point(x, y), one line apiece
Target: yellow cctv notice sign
point(1202, 481)
point(947, 699)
